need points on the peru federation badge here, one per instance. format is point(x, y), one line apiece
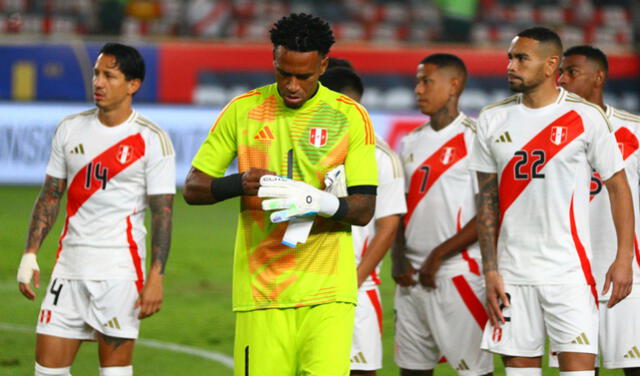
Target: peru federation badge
point(318, 137)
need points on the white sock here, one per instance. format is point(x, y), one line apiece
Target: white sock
point(116, 371)
point(514, 371)
point(46, 371)
point(578, 373)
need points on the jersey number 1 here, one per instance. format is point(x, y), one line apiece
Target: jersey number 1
point(98, 173)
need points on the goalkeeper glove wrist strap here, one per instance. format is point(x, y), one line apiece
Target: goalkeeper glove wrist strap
point(343, 209)
point(227, 187)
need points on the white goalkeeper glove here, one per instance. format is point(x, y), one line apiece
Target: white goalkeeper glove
point(335, 182)
point(295, 198)
point(28, 265)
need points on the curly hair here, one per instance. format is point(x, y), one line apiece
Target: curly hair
point(303, 33)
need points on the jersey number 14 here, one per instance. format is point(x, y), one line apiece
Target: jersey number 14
point(98, 174)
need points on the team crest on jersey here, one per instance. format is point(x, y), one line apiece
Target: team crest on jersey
point(558, 135)
point(318, 137)
point(125, 153)
point(448, 154)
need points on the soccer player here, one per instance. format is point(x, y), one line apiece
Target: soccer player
point(114, 163)
point(371, 242)
point(584, 72)
point(443, 313)
point(534, 154)
point(294, 305)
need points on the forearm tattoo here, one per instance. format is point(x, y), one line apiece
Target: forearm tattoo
point(488, 219)
point(161, 212)
point(45, 211)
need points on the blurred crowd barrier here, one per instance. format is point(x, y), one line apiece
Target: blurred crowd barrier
point(26, 131)
point(211, 74)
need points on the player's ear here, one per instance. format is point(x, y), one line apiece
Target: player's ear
point(324, 63)
point(134, 85)
point(601, 77)
point(552, 66)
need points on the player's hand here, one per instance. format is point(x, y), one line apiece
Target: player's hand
point(402, 272)
point(292, 198)
point(28, 269)
point(495, 295)
point(151, 296)
point(428, 270)
point(251, 180)
point(620, 274)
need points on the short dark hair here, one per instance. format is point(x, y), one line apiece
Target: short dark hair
point(129, 60)
point(591, 53)
point(303, 33)
point(543, 35)
point(335, 62)
point(442, 60)
point(340, 78)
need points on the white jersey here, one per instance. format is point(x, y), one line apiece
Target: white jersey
point(389, 201)
point(544, 158)
point(440, 192)
point(626, 128)
point(109, 173)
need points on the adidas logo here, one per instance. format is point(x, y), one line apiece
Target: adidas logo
point(505, 137)
point(78, 149)
point(462, 366)
point(634, 353)
point(113, 323)
point(265, 134)
point(359, 358)
point(581, 340)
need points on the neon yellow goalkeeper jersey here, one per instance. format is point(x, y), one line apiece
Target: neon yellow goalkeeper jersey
point(328, 130)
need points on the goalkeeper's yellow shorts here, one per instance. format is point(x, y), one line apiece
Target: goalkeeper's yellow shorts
point(311, 340)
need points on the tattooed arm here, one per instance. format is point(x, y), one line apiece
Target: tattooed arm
point(151, 295)
point(488, 222)
point(361, 208)
point(43, 216)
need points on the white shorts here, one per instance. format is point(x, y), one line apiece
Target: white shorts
point(366, 349)
point(619, 334)
point(447, 320)
point(77, 309)
point(568, 312)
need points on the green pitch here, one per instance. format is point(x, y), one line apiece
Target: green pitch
point(197, 307)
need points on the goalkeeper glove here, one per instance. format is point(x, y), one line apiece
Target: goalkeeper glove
point(295, 198)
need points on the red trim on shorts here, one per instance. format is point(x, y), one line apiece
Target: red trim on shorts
point(373, 296)
point(582, 254)
point(133, 249)
point(473, 264)
point(471, 300)
point(48, 316)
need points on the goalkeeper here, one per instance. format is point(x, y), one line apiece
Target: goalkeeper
point(294, 305)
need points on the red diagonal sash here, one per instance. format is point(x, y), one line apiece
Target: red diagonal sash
point(628, 144)
point(428, 172)
point(79, 192)
point(111, 162)
point(550, 141)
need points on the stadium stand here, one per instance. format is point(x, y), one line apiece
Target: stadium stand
point(607, 22)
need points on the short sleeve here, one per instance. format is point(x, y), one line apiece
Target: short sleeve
point(220, 147)
point(603, 152)
point(57, 166)
point(160, 168)
point(391, 196)
point(481, 157)
point(360, 163)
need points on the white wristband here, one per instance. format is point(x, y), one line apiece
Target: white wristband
point(329, 204)
point(28, 264)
